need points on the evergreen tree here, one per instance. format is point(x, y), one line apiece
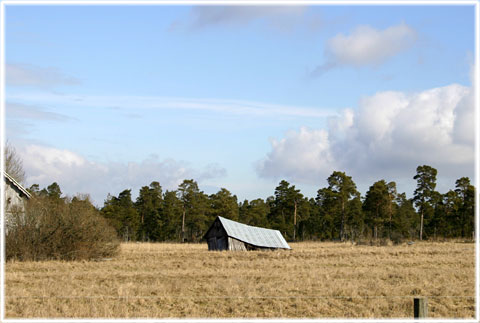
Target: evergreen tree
point(254, 213)
point(466, 211)
point(148, 206)
point(123, 216)
point(450, 212)
point(342, 189)
point(54, 191)
point(172, 212)
point(194, 210)
point(223, 204)
point(355, 219)
point(326, 215)
point(284, 211)
point(378, 208)
point(405, 221)
point(423, 197)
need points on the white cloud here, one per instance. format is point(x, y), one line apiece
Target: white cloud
point(200, 17)
point(75, 174)
point(301, 156)
point(34, 76)
point(388, 136)
point(136, 103)
point(25, 111)
point(366, 46)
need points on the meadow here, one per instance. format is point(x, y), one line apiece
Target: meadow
point(313, 280)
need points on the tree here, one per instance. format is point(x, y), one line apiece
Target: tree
point(405, 219)
point(435, 223)
point(426, 182)
point(355, 218)
point(148, 206)
point(54, 191)
point(224, 204)
point(376, 206)
point(343, 189)
point(284, 210)
point(392, 194)
point(13, 163)
point(254, 213)
point(172, 212)
point(34, 189)
point(450, 212)
point(123, 216)
point(304, 210)
point(466, 193)
point(194, 209)
point(326, 215)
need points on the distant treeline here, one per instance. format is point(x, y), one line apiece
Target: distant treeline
point(338, 212)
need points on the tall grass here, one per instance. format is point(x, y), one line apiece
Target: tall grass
point(314, 280)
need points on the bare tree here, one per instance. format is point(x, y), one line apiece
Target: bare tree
point(13, 163)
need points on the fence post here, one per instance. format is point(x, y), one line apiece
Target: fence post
point(420, 308)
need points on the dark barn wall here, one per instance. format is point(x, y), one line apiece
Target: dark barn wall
point(217, 238)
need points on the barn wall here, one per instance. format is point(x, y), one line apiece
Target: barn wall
point(14, 202)
point(234, 244)
point(217, 238)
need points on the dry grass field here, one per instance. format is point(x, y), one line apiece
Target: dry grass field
point(314, 280)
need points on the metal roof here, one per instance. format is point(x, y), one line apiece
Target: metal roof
point(256, 236)
point(16, 184)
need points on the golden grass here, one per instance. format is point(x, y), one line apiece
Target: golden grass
point(315, 280)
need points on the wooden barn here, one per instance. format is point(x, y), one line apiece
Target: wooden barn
point(15, 197)
point(226, 234)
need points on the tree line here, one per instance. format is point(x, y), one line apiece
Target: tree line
point(338, 212)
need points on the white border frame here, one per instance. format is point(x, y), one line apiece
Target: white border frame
point(475, 85)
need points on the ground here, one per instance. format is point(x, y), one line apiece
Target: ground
point(314, 280)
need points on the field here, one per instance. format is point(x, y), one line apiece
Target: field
point(314, 280)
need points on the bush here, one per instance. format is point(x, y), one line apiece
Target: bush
point(61, 229)
point(397, 238)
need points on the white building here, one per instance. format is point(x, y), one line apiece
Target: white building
point(15, 197)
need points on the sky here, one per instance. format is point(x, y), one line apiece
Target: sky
point(102, 98)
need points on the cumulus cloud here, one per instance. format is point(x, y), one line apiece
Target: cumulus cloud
point(76, 174)
point(300, 156)
point(35, 76)
point(366, 46)
point(388, 135)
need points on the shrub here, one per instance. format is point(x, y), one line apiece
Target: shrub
point(397, 238)
point(62, 229)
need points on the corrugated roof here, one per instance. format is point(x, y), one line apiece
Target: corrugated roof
point(17, 184)
point(256, 236)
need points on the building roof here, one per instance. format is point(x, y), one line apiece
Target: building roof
point(256, 236)
point(17, 185)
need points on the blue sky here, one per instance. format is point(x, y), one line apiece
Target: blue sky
point(103, 98)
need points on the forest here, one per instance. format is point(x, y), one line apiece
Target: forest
point(337, 213)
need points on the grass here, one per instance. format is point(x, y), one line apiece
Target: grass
point(314, 280)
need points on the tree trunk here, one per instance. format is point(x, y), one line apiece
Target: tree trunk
point(294, 220)
point(342, 226)
point(183, 225)
point(390, 220)
point(421, 225)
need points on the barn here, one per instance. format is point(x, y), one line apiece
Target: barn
point(15, 197)
point(225, 234)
